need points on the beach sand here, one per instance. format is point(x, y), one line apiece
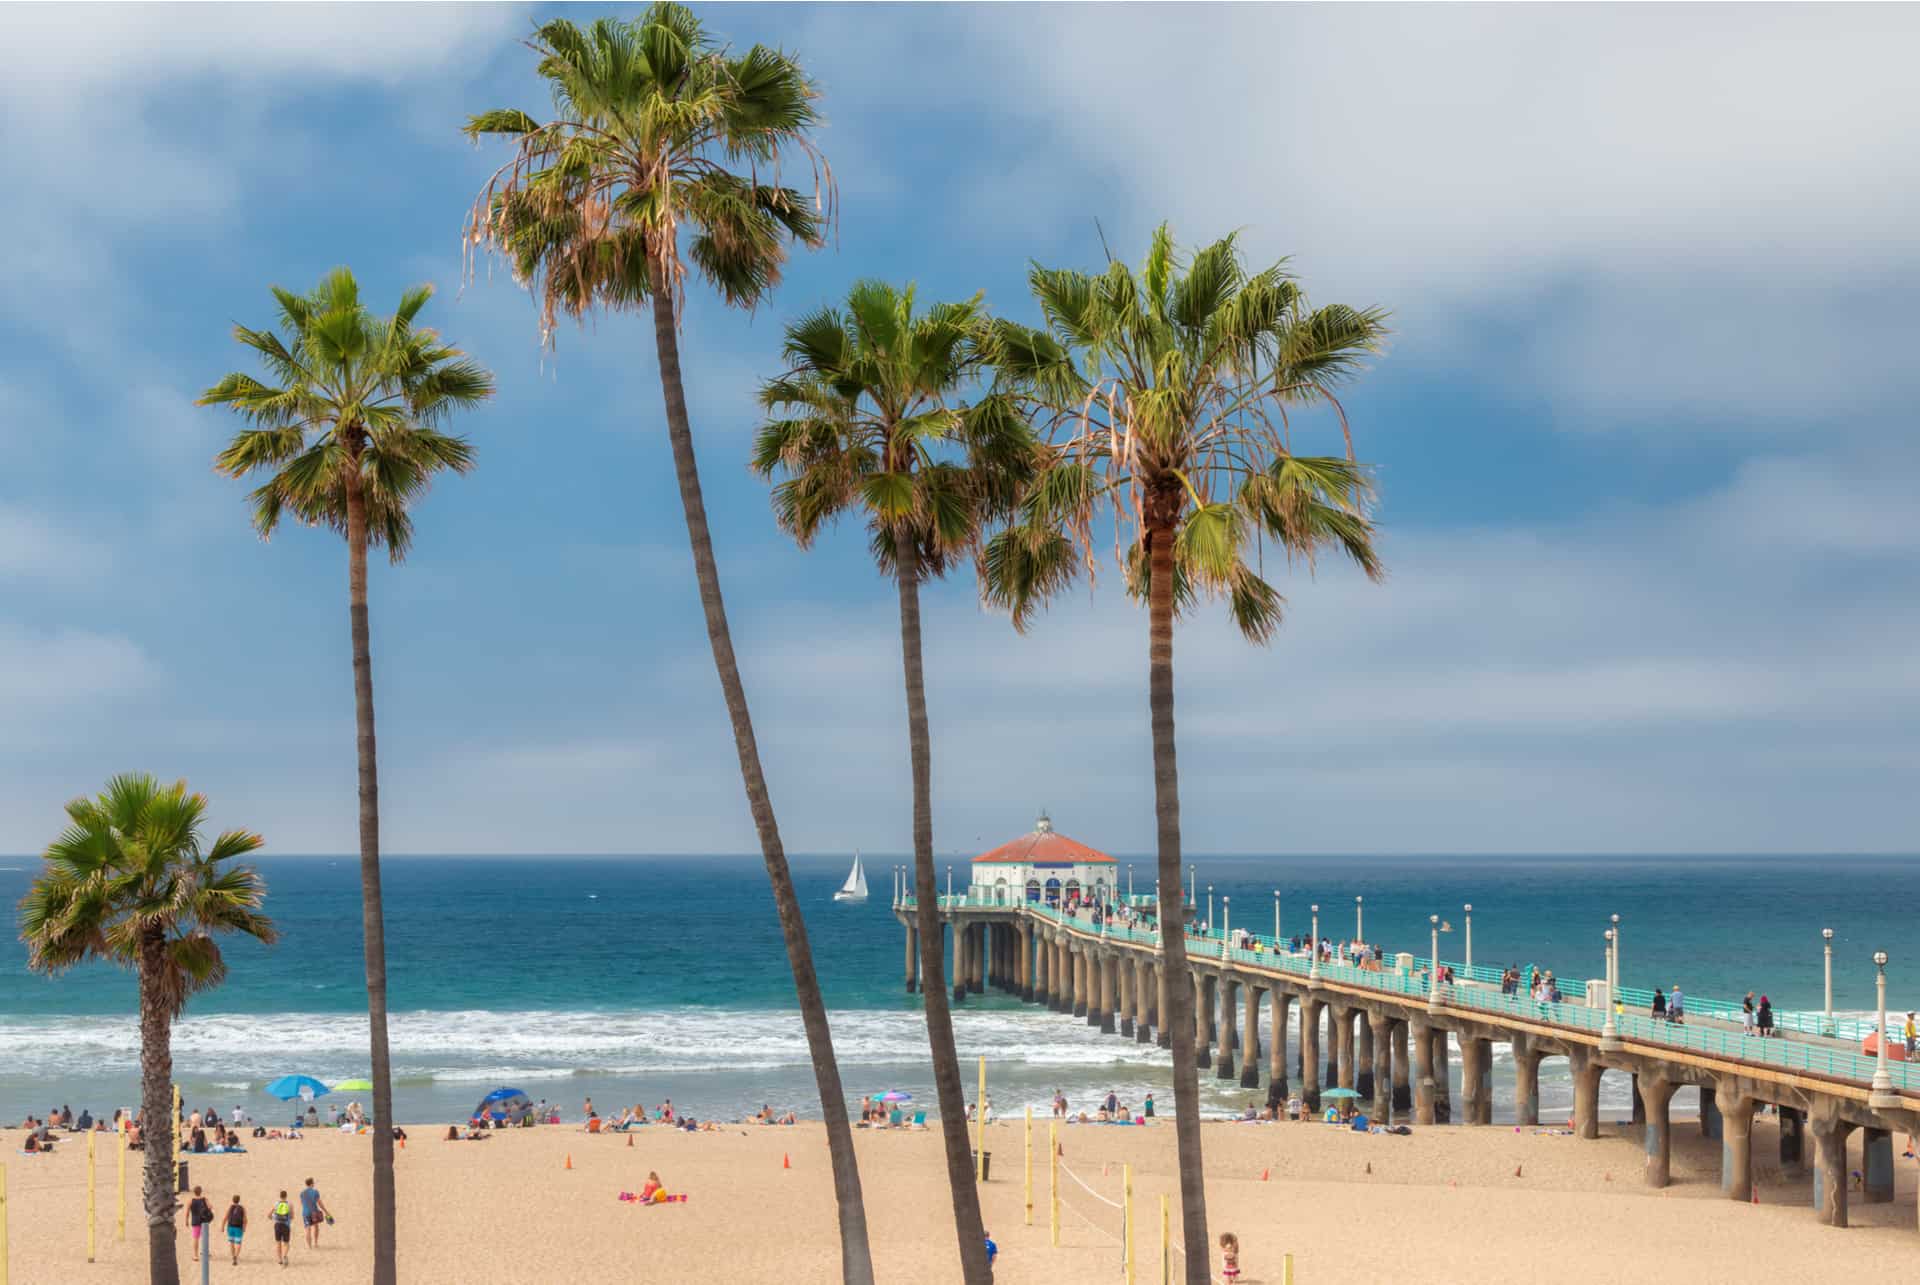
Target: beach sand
point(1443, 1205)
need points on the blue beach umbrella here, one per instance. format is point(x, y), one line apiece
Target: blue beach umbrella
point(504, 1102)
point(288, 1087)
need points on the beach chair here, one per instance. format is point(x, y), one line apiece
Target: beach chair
point(593, 1124)
point(919, 1119)
point(893, 1118)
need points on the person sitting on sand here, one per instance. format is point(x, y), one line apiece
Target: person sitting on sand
point(453, 1133)
point(653, 1188)
point(791, 1118)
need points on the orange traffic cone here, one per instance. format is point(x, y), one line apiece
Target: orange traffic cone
point(569, 1159)
point(786, 1161)
point(1264, 1173)
point(1756, 1193)
point(629, 1139)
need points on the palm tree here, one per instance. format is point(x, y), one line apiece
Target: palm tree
point(346, 428)
point(865, 423)
point(651, 123)
point(1168, 398)
point(130, 882)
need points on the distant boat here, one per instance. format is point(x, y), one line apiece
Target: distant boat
point(854, 890)
point(593, 896)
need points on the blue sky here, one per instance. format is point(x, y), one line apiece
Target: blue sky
point(1644, 436)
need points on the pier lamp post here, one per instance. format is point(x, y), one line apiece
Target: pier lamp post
point(1609, 1032)
point(1826, 1025)
point(1209, 910)
point(1359, 922)
point(1313, 969)
point(949, 883)
point(1129, 881)
point(1616, 952)
point(1433, 965)
point(1226, 923)
point(1882, 1097)
point(1469, 909)
point(1276, 919)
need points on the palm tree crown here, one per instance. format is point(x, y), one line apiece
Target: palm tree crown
point(131, 863)
point(1168, 395)
point(350, 399)
point(651, 121)
point(863, 421)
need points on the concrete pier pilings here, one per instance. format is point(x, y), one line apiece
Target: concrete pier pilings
point(1363, 1056)
point(1442, 1077)
point(1202, 1021)
point(1876, 1166)
point(1793, 1138)
point(1402, 1069)
point(1736, 1138)
point(1310, 1010)
point(1526, 1081)
point(1830, 1167)
point(1658, 1135)
point(1109, 1001)
point(1225, 1067)
point(1143, 1000)
point(1586, 1092)
point(957, 975)
point(1162, 1032)
point(913, 958)
point(1343, 1047)
point(1379, 1068)
point(1422, 1071)
point(1250, 1064)
point(1278, 1001)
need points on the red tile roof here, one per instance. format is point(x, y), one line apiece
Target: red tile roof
point(1042, 843)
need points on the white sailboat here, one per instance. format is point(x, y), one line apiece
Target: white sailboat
point(854, 890)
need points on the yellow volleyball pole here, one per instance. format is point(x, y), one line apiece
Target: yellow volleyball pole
point(1286, 1269)
point(980, 1126)
point(3, 1224)
point(90, 1202)
point(1053, 1179)
point(1166, 1262)
point(1126, 1214)
point(121, 1217)
point(176, 1126)
point(1029, 1166)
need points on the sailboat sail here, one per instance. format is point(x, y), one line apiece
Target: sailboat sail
point(855, 888)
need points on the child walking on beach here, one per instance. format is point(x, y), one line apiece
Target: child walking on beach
point(1229, 1257)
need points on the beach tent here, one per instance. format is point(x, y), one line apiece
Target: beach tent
point(510, 1103)
point(305, 1087)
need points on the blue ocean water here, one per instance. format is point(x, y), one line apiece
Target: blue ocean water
point(643, 978)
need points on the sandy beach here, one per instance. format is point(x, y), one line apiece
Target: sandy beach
point(1450, 1204)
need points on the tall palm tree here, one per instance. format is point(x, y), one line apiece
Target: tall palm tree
point(1168, 397)
point(346, 427)
point(652, 127)
point(866, 422)
point(129, 881)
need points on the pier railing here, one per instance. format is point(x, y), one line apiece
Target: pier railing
point(1479, 989)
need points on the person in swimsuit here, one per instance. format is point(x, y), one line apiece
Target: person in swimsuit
point(282, 1219)
point(1229, 1257)
point(312, 1210)
point(236, 1228)
point(199, 1214)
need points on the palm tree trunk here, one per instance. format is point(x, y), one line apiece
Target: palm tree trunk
point(372, 913)
point(946, 1059)
point(856, 1258)
point(156, 1115)
point(1173, 927)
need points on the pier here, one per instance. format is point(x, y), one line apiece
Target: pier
point(1380, 1025)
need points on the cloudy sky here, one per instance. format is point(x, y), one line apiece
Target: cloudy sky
point(1645, 436)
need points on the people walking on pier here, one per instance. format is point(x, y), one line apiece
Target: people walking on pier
point(1765, 1017)
point(1912, 1032)
point(1659, 1005)
point(1747, 1015)
point(1677, 1007)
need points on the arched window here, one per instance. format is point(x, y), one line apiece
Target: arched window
point(1100, 891)
point(1053, 892)
point(1073, 889)
point(1000, 891)
point(1033, 890)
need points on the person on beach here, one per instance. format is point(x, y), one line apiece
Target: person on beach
point(1229, 1257)
point(199, 1214)
point(236, 1228)
point(312, 1210)
point(282, 1218)
point(653, 1188)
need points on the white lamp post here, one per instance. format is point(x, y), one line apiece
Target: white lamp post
point(1609, 1032)
point(1226, 923)
point(1209, 910)
point(1129, 881)
point(1616, 953)
point(949, 881)
point(1882, 1097)
point(1193, 887)
point(1313, 969)
point(1433, 964)
point(1469, 941)
point(1276, 919)
point(1359, 923)
point(1826, 1026)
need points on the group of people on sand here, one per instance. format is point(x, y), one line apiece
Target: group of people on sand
point(1109, 1110)
point(312, 1212)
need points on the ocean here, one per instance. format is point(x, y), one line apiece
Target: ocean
point(641, 979)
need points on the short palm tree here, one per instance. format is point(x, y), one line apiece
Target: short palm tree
point(1168, 398)
point(656, 132)
point(866, 421)
point(346, 427)
point(131, 882)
